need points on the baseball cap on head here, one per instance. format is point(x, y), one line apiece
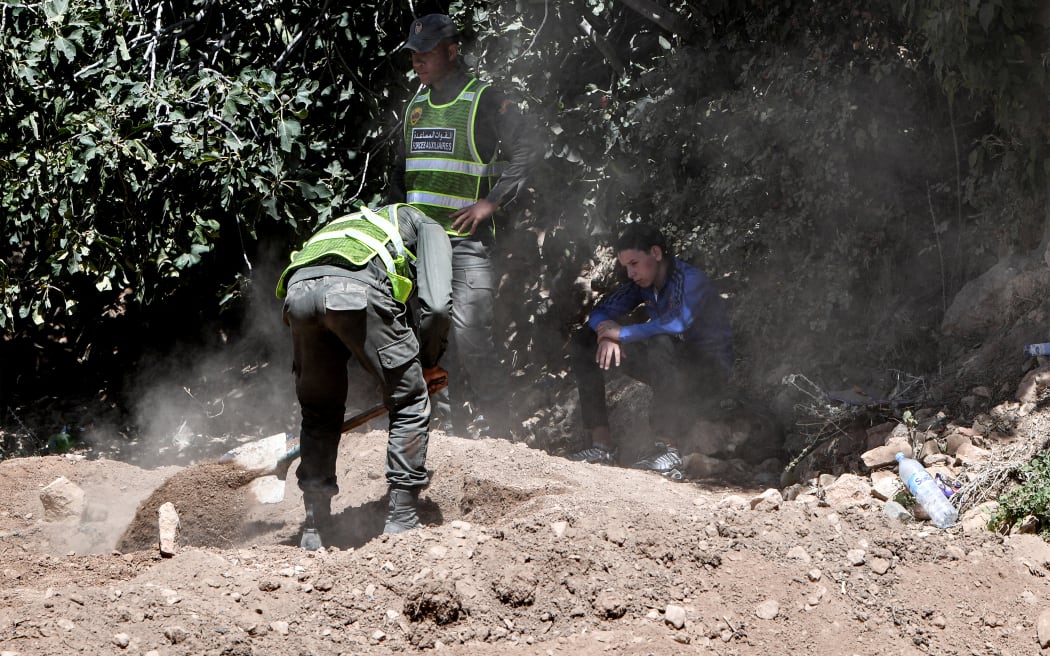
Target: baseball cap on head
point(426, 32)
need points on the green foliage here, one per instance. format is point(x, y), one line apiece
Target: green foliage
point(992, 58)
point(1030, 498)
point(832, 167)
point(149, 147)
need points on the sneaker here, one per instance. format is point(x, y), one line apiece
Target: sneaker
point(595, 455)
point(665, 459)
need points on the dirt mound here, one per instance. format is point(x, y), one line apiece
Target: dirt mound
point(211, 500)
point(523, 553)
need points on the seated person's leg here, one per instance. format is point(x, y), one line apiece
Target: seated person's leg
point(590, 381)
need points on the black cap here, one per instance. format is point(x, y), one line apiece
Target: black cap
point(426, 32)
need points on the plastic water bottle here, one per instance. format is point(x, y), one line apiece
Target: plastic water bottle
point(1037, 349)
point(926, 491)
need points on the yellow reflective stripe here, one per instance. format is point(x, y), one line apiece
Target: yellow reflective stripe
point(453, 166)
point(386, 226)
point(375, 245)
point(441, 200)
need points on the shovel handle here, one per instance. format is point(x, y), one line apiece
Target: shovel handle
point(435, 384)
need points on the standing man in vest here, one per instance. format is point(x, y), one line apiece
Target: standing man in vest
point(346, 294)
point(466, 155)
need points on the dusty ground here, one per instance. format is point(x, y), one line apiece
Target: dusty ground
point(524, 553)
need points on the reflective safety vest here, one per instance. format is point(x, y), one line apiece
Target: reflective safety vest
point(444, 171)
point(357, 238)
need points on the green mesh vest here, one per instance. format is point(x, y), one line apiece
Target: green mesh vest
point(444, 171)
point(357, 238)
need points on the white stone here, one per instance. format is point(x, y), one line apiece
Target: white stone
point(848, 491)
point(1042, 628)
point(61, 499)
point(279, 627)
point(168, 527)
point(675, 616)
point(768, 609)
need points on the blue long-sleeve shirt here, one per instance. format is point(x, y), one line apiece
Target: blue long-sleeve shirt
point(687, 306)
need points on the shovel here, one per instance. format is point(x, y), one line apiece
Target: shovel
point(272, 456)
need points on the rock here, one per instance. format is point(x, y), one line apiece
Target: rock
point(879, 435)
point(797, 552)
point(675, 616)
point(700, 466)
point(767, 501)
point(976, 519)
point(176, 634)
point(1042, 628)
point(814, 575)
point(768, 609)
point(879, 565)
point(122, 640)
point(609, 606)
point(438, 551)
point(279, 627)
point(559, 528)
point(885, 484)
point(856, 556)
point(897, 512)
point(956, 440)
point(848, 491)
point(733, 501)
point(168, 527)
point(61, 499)
point(884, 456)
point(968, 454)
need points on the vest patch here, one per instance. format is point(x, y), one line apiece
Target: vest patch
point(432, 140)
point(417, 113)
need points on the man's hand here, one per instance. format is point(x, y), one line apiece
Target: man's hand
point(609, 353)
point(468, 218)
point(608, 329)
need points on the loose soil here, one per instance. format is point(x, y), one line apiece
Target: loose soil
point(524, 552)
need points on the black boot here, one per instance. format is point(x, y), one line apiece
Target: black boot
point(318, 514)
point(401, 514)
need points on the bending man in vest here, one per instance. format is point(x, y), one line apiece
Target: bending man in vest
point(347, 293)
point(466, 155)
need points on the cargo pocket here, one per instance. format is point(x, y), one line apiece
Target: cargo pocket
point(344, 294)
point(398, 354)
point(480, 279)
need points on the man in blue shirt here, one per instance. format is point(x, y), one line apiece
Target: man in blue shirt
point(684, 352)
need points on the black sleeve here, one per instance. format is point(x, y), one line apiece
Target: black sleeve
point(396, 191)
point(502, 125)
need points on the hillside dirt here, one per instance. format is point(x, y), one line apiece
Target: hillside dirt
point(524, 552)
point(758, 550)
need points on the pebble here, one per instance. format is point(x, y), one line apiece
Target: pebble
point(279, 627)
point(438, 551)
point(856, 556)
point(675, 616)
point(798, 553)
point(814, 575)
point(768, 609)
point(122, 640)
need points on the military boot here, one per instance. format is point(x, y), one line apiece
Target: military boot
point(318, 514)
point(401, 514)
